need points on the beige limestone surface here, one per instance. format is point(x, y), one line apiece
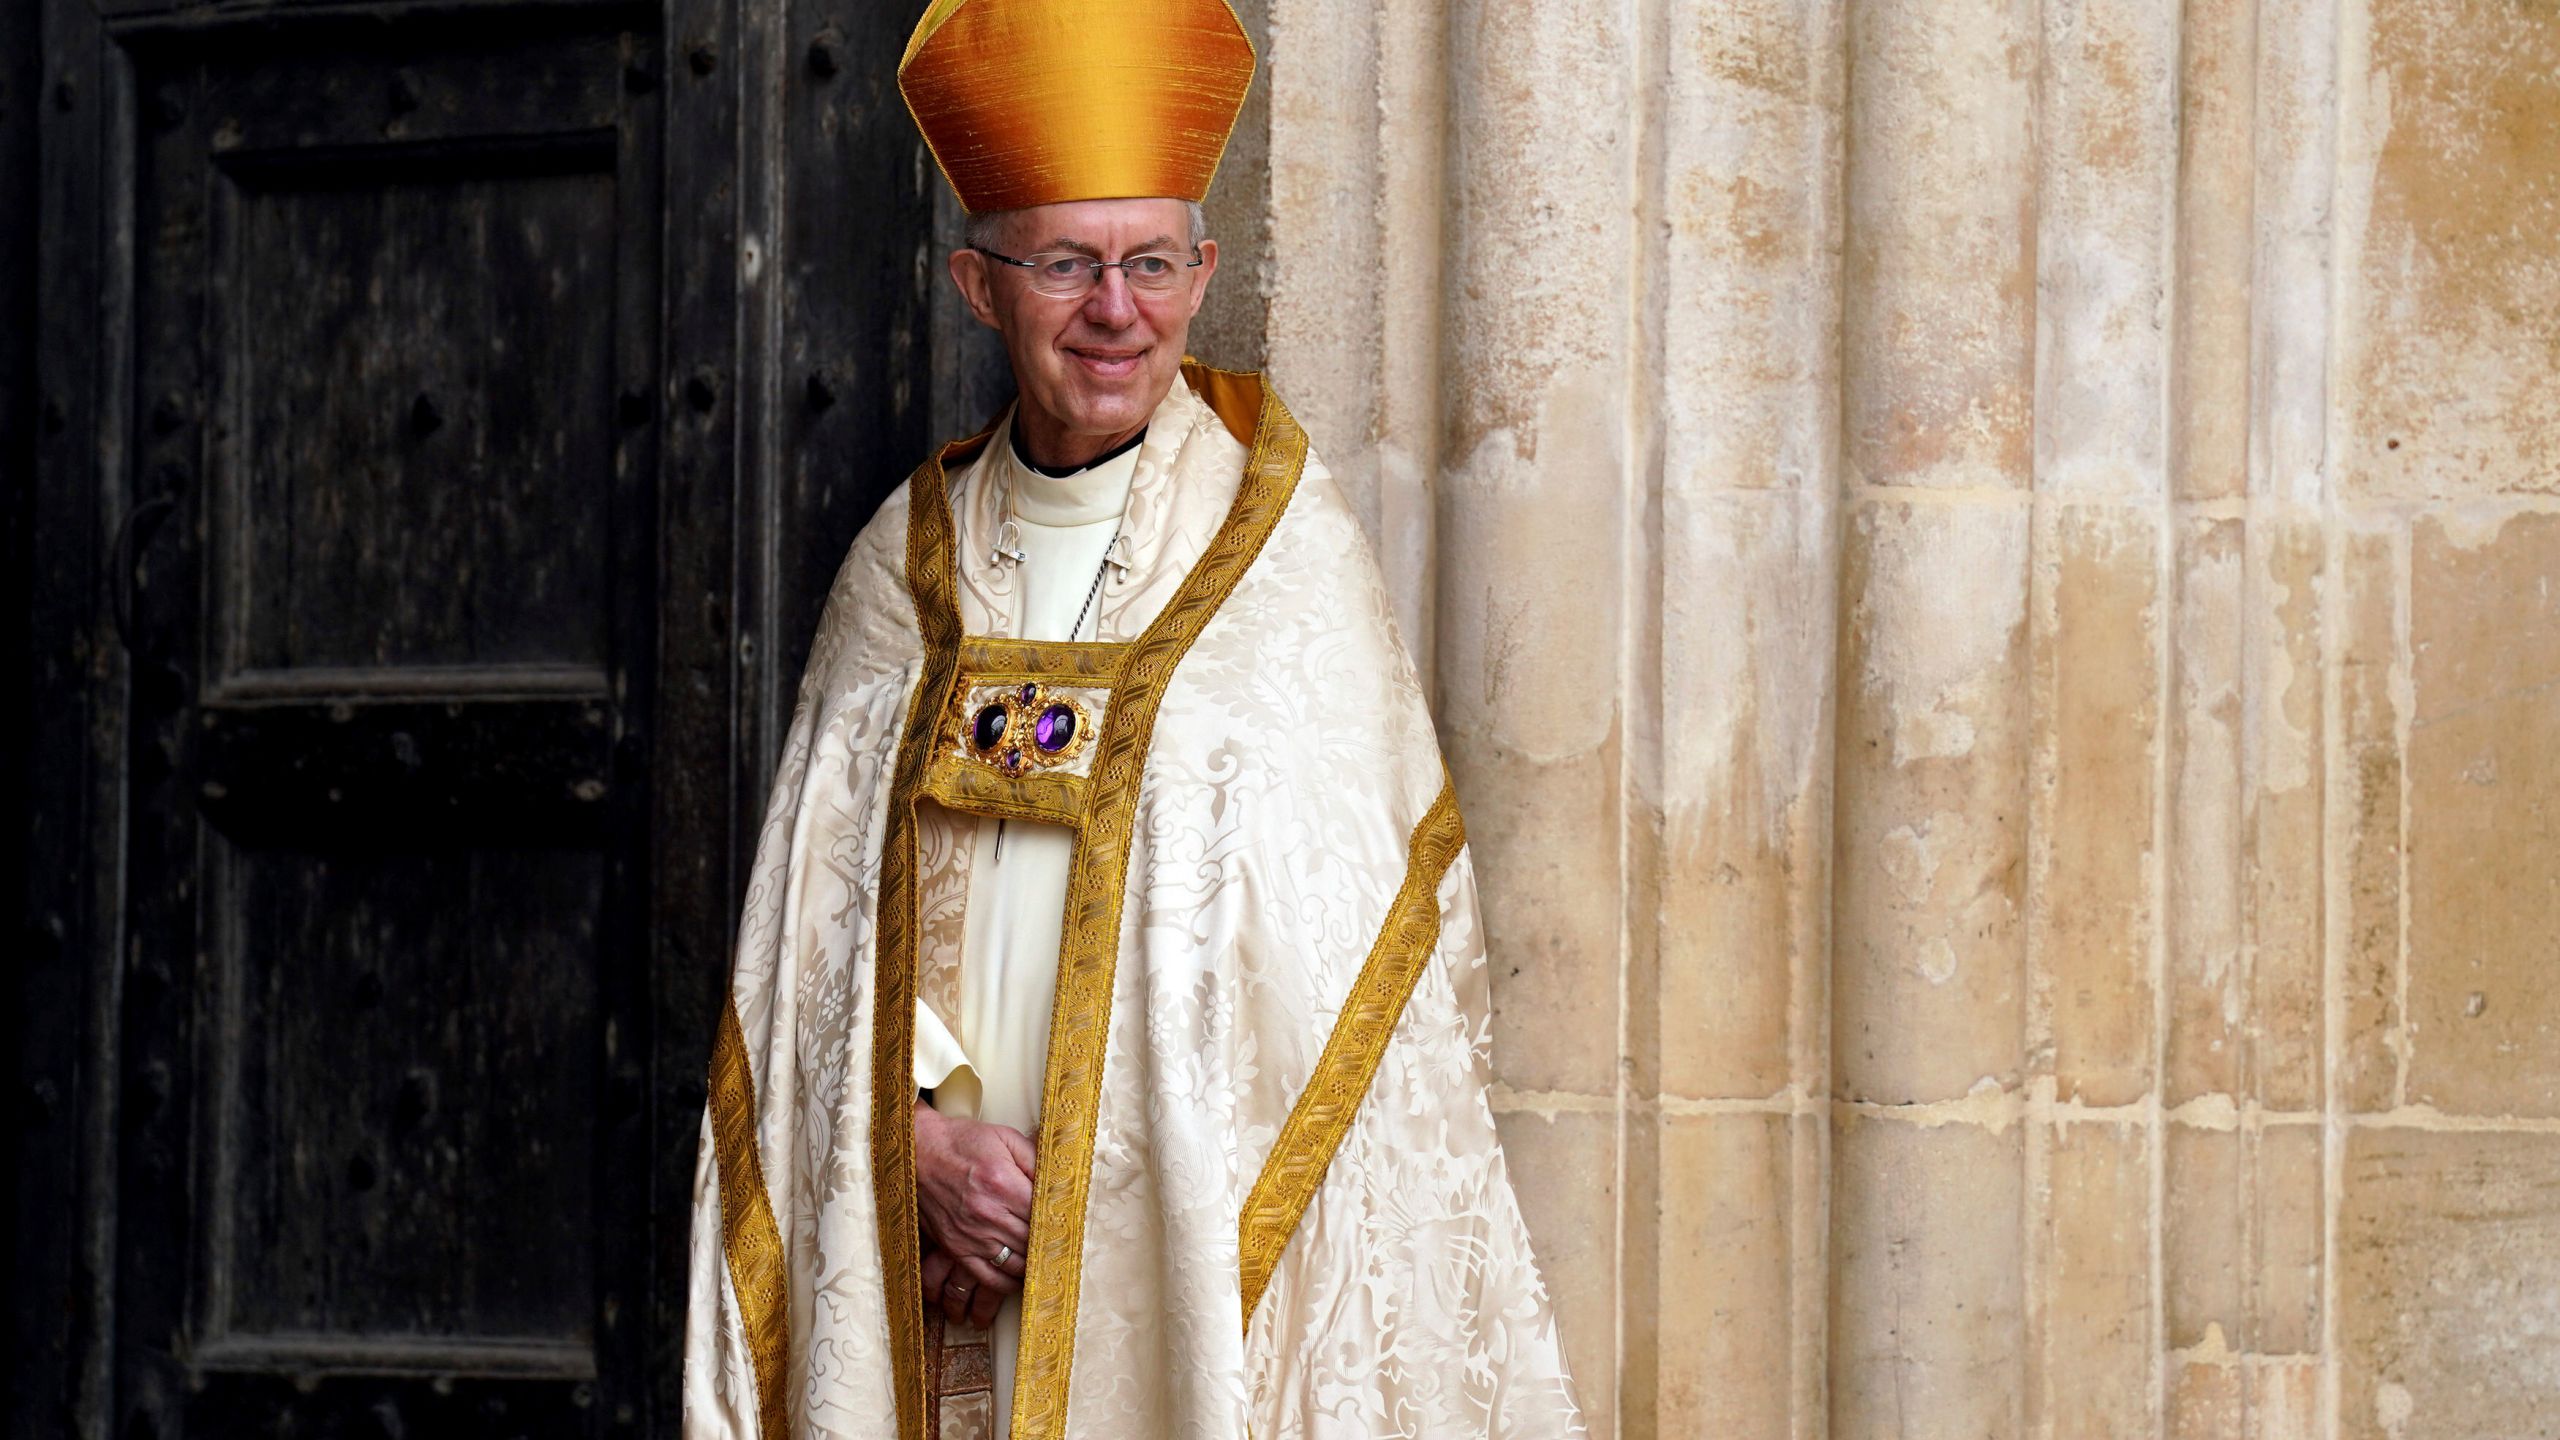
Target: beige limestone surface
point(1990, 572)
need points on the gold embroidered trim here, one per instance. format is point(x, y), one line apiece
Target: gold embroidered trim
point(1323, 1114)
point(978, 790)
point(931, 582)
point(1080, 1025)
point(749, 1238)
point(991, 661)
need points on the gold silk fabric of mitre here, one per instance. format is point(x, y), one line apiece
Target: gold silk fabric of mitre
point(1287, 857)
point(1036, 102)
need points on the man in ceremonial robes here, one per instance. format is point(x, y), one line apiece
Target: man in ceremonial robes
point(1105, 1053)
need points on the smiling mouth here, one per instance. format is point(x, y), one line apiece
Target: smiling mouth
point(1107, 362)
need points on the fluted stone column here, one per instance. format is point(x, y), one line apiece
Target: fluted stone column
point(1535, 505)
point(2105, 237)
point(1929, 978)
point(1730, 633)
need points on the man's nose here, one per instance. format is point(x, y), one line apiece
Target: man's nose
point(1111, 305)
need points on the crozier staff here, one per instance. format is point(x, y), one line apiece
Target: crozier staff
point(1105, 1053)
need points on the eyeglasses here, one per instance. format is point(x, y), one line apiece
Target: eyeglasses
point(1065, 275)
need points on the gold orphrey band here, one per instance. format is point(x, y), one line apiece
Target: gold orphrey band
point(749, 1238)
point(930, 580)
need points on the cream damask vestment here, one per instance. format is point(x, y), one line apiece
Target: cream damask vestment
point(1269, 1199)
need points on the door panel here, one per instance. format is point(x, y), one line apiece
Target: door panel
point(426, 395)
point(391, 1167)
point(405, 1025)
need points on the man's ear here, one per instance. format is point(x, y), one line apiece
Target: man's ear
point(1208, 267)
point(969, 272)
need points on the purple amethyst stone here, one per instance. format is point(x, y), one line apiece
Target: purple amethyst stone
point(1057, 727)
point(1030, 693)
point(989, 727)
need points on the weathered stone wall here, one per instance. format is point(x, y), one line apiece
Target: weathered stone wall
point(1992, 575)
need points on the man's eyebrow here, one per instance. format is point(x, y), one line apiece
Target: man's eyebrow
point(1160, 242)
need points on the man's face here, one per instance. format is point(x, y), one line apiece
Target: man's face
point(1091, 370)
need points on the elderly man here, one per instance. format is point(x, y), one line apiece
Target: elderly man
point(1105, 1054)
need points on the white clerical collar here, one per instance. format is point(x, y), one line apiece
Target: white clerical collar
point(1089, 496)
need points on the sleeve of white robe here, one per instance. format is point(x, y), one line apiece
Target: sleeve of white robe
point(938, 1051)
point(943, 1066)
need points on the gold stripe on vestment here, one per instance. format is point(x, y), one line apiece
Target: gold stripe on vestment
point(1407, 939)
point(1080, 1025)
point(993, 661)
point(749, 1239)
point(984, 790)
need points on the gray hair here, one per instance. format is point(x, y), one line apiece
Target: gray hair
point(985, 230)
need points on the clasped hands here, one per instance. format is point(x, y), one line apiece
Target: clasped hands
point(973, 1195)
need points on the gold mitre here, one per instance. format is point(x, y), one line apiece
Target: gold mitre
point(1033, 102)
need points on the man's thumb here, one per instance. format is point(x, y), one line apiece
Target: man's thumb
point(1025, 1153)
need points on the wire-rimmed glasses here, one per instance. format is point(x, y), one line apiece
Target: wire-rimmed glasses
point(1066, 275)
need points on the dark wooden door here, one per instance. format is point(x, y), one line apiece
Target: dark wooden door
point(452, 415)
point(388, 1027)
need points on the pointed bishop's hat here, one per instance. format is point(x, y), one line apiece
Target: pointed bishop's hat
point(1033, 102)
